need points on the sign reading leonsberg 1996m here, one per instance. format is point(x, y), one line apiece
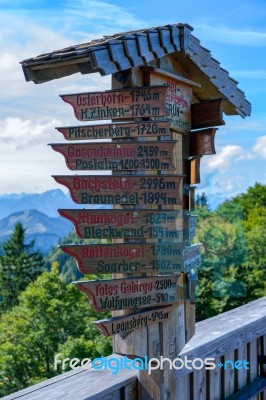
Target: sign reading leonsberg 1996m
point(118, 104)
point(132, 189)
point(118, 156)
point(118, 294)
point(134, 257)
point(130, 224)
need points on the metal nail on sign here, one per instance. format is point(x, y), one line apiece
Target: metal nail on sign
point(132, 190)
point(118, 156)
point(127, 258)
point(119, 294)
point(130, 224)
point(119, 104)
point(120, 130)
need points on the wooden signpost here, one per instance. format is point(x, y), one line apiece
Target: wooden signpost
point(132, 189)
point(124, 130)
point(119, 104)
point(119, 294)
point(132, 224)
point(118, 156)
point(125, 258)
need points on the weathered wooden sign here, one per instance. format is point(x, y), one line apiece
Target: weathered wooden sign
point(134, 321)
point(117, 130)
point(178, 99)
point(133, 189)
point(119, 294)
point(202, 142)
point(125, 258)
point(130, 224)
point(136, 102)
point(118, 156)
point(190, 227)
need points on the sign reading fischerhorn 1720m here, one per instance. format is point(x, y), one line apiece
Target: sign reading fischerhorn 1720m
point(119, 104)
point(132, 189)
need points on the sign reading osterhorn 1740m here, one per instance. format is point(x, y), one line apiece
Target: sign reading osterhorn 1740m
point(119, 294)
point(130, 224)
point(120, 130)
point(131, 189)
point(134, 321)
point(127, 258)
point(118, 156)
point(120, 103)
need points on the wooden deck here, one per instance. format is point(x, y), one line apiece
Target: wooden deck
point(235, 335)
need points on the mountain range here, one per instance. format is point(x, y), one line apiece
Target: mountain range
point(38, 215)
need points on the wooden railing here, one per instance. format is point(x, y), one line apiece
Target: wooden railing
point(239, 334)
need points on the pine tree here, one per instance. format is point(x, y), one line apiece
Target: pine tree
point(19, 265)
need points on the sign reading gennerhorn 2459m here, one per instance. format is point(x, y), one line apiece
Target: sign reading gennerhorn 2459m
point(118, 104)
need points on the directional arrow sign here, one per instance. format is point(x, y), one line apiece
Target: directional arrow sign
point(118, 156)
point(130, 224)
point(123, 130)
point(126, 258)
point(134, 321)
point(133, 189)
point(118, 294)
point(120, 103)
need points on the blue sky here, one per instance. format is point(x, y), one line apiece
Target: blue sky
point(234, 31)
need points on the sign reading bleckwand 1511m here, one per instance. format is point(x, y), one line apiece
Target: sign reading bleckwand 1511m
point(131, 189)
point(118, 156)
point(119, 104)
point(129, 224)
point(119, 294)
point(128, 258)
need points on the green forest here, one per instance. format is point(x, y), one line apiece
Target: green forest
point(42, 313)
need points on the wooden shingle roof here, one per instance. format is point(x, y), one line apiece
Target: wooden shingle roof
point(126, 50)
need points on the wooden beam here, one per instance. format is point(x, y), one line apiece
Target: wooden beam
point(207, 114)
point(202, 142)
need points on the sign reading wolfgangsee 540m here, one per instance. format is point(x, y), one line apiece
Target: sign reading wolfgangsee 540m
point(148, 204)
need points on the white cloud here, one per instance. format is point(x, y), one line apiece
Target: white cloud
point(225, 34)
point(260, 146)
point(223, 159)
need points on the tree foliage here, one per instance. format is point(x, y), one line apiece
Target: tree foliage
point(51, 317)
point(19, 265)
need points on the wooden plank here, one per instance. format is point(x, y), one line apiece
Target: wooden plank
point(199, 384)
point(119, 104)
point(133, 321)
point(134, 129)
point(134, 257)
point(178, 101)
point(193, 172)
point(119, 294)
point(133, 190)
point(207, 114)
point(241, 374)
point(202, 142)
point(132, 224)
point(228, 374)
point(250, 390)
point(214, 382)
point(124, 156)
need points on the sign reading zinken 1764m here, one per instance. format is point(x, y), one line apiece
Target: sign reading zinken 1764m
point(134, 257)
point(118, 104)
point(118, 156)
point(133, 189)
point(118, 294)
point(130, 224)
